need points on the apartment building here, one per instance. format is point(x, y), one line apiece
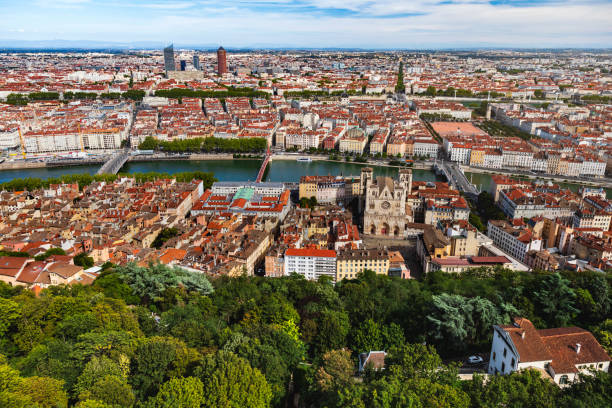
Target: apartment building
point(585, 218)
point(515, 238)
point(353, 142)
point(311, 263)
point(351, 262)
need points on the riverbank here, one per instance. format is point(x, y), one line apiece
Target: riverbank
point(17, 165)
point(605, 182)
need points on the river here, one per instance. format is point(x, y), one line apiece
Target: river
point(483, 182)
point(280, 170)
point(244, 169)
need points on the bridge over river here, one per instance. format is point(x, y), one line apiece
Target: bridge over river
point(115, 163)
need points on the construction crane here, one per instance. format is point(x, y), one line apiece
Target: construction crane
point(23, 153)
point(81, 138)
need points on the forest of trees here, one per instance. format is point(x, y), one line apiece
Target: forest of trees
point(179, 93)
point(85, 179)
point(208, 145)
point(164, 337)
point(23, 99)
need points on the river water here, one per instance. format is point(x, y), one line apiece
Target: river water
point(483, 182)
point(226, 170)
point(244, 169)
point(280, 170)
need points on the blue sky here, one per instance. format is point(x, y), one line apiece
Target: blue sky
point(315, 23)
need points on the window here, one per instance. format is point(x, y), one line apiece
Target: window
point(494, 355)
point(512, 363)
point(503, 367)
point(505, 352)
point(564, 380)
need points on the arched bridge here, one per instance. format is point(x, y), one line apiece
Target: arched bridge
point(115, 163)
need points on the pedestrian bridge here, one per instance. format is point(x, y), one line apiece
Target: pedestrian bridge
point(262, 169)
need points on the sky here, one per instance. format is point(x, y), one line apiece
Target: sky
point(384, 24)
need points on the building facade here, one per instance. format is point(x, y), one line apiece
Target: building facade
point(311, 263)
point(385, 203)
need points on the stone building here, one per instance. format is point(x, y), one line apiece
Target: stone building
point(384, 203)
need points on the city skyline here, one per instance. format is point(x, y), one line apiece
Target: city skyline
point(387, 24)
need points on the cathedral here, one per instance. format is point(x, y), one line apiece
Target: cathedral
point(383, 202)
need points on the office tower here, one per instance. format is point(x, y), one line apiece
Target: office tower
point(183, 65)
point(196, 62)
point(169, 58)
point(221, 61)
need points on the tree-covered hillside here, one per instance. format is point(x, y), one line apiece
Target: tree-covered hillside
point(163, 337)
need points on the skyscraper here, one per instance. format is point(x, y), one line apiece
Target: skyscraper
point(221, 61)
point(183, 65)
point(196, 62)
point(169, 58)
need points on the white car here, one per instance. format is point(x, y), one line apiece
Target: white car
point(475, 359)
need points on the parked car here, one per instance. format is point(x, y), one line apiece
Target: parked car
point(475, 360)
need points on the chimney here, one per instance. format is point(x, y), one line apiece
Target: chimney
point(578, 345)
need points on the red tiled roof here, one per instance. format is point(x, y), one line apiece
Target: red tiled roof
point(562, 343)
point(529, 345)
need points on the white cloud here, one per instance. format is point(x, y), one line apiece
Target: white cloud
point(244, 23)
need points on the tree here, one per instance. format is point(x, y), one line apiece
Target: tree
point(10, 311)
point(367, 336)
point(555, 300)
point(96, 368)
point(463, 321)
point(400, 87)
point(180, 393)
point(603, 333)
point(593, 390)
point(157, 360)
point(520, 389)
point(150, 143)
point(114, 286)
point(332, 327)
point(83, 260)
point(231, 381)
point(164, 235)
point(431, 91)
point(152, 282)
point(112, 390)
point(413, 361)
point(43, 392)
point(49, 252)
point(336, 370)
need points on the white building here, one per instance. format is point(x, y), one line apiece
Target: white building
point(459, 153)
point(593, 168)
point(264, 188)
point(584, 218)
point(9, 138)
point(562, 353)
point(517, 158)
point(514, 240)
point(492, 160)
point(425, 147)
point(311, 263)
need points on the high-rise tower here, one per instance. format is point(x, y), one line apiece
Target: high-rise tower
point(221, 61)
point(169, 58)
point(196, 62)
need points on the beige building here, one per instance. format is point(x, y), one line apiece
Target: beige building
point(542, 260)
point(354, 141)
point(385, 203)
point(350, 262)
